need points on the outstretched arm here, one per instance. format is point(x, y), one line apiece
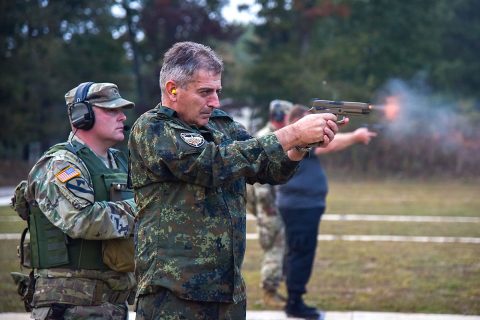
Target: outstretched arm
point(345, 140)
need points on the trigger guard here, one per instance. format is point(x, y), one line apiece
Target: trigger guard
point(341, 121)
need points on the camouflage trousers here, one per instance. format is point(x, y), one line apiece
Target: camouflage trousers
point(104, 311)
point(271, 232)
point(164, 305)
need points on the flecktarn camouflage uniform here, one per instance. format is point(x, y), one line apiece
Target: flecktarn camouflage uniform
point(189, 186)
point(60, 185)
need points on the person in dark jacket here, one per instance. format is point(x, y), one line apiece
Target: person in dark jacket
point(301, 202)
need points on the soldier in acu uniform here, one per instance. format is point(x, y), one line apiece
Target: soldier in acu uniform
point(189, 166)
point(269, 222)
point(81, 214)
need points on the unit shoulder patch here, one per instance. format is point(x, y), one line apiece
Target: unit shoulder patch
point(79, 188)
point(67, 173)
point(193, 139)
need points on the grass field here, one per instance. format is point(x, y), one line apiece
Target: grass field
point(396, 277)
point(374, 276)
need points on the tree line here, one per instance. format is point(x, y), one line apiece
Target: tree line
point(297, 50)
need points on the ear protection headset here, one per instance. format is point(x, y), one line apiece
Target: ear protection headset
point(80, 111)
point(277, 113)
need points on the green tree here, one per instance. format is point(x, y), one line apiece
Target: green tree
point(163, 23)
point(47, 48)
point(345, 48)
point(457, 68)
point(350, 50)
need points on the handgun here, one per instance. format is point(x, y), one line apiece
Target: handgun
point(339, 108)
point(343, 108)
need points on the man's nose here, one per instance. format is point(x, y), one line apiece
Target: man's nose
point(214, 102)
point(122, 116)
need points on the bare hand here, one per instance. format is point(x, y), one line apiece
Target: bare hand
point(363, 135)
point(314, 128)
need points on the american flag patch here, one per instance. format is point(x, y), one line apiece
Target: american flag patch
point(67, 173)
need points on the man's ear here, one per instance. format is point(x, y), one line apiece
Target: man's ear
point(171, 90)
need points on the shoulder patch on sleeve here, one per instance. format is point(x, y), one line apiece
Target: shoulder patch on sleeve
point(67, 173)
point(192, 139)
point(80, 189)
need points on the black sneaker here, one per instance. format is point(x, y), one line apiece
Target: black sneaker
point(298, 309)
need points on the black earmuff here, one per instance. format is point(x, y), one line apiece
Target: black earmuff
point(80, 111)
point(277, 113)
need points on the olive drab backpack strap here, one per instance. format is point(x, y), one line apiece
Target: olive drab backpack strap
point(23, 250)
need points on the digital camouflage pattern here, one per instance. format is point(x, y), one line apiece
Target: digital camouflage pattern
point(163, 305)
point(104, 311)
point(62, 187)
point(81, 287)
point(189, 186)
point(271, 234)
point(271, 231)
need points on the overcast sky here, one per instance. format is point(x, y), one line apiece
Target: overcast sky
point(231, 13)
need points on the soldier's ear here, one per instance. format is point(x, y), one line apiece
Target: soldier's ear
point(171, 90)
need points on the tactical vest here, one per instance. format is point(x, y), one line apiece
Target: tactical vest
point(49, 246)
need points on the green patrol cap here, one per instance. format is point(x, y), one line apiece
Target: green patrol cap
point(103, 95)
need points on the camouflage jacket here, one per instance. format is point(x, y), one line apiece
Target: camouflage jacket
point(70, 205)
point(189, 186)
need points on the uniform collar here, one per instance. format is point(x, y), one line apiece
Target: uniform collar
point(109, 161)
point(166, 111)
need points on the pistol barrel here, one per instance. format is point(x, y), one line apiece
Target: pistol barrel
point(340, 107)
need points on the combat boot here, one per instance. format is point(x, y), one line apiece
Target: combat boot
point(273, 299)
point(296, 308)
